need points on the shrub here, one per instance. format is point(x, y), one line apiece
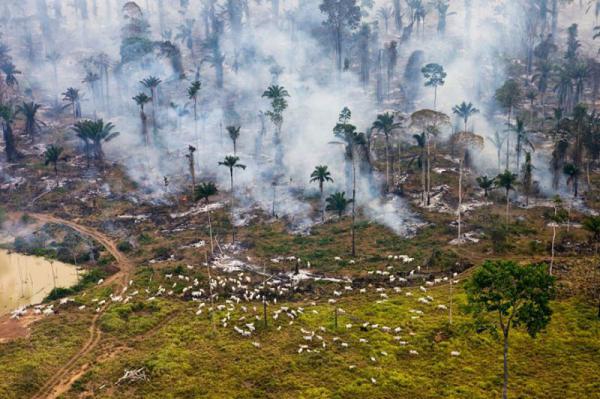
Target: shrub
point(124, 246)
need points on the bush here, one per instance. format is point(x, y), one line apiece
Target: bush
point(124, 246)
point(161, 252)
point(58, 293)
point(499, 237)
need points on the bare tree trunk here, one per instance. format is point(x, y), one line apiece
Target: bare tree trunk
point(232, 223)
point(460, 177)
point(505, 384)
point(552, 247)
point(428, 170)
point(387, 163)
point(353, 205)
point(507, 205)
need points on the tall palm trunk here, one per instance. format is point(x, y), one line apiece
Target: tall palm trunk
point(460, 178)
point(507, 205)
point(387, 162)
point(322, 201)
point(231, 206)
point(428, 170)
point(353, 205)
point(9, 142)
point(56, 172)
point(508, 140)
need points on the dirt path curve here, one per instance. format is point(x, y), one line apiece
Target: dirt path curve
point(62, 379)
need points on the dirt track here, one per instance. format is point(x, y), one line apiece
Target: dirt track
point(63, 378)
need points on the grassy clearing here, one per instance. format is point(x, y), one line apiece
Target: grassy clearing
point(186, 358)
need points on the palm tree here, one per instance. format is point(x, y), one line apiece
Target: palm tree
point(203, 192)
point(337, 202)
point(32, 123)
point(507, 181)
point(72, 97)
point(193, 92)
point(91, 78)
point(141, 100)
point(465, 111)
point(522, 139)
point(592, 225)
point(385, 123)
point(94, 134)
point(234, 135)
point(185, 34)
point(353, 141)
point(486, 184)
point(572, 172)
point(498, 141)
point(385, 13)
point(10, 72)
point(509, 97)
point(277, 95)
point(152, 83)
point(192, 166)
point(421, 144)
point(231, 162)
point(7, 119)
point(527, 181)
point(321, 174)
point(542, 79)
point(53, 58)
point(52, 156)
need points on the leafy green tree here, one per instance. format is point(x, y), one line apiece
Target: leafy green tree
point(7, 120)
point(338, 203)
point(385, 124)
point(321, 174)
point(465, 111)
point(507, 181)
point(342, 16)
point(232, 162)
point(435, 76)
point(486, 184)
point(514, 296)
point(52, 156)
point(32, 123)
point(592, 225)
point(234, 135)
